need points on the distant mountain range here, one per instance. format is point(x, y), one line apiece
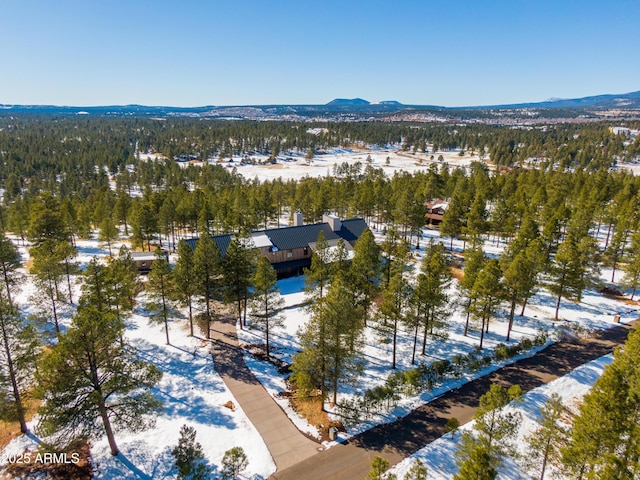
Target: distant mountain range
point(625, 100)
point(357, 107)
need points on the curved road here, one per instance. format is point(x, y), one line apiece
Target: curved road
point(398, 440)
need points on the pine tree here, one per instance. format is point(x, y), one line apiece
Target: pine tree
point(144, 224)
point(476, 220)
point(429, 299)
point(189, 456)
point(521, 279)
point(453, 221)
point(65, 252)
point(234, 462)
point(93, 383)
point(340, 263)
point(566, 272)
point(365, 270)
point(160, 285)
point(183, 275)
point(604, 438)
point(474, 461)
point(418, 471)
point(394, 300)
point(238, 270)
point(481, 451)
point(379, 466)
point(544, 443)
point(9, 265)
point(19, 352)
point(632, 268)
point(486, 294)
point(395, 252)
point(48, 272)
point(319, 273)
point(121, 210)
point(266, 304)
point(122, 282)
point(474, 262)
point(330, 341)
point(108, 233)
point(207, 264)
point(45, 221)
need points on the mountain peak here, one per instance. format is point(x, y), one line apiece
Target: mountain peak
point(348, 101)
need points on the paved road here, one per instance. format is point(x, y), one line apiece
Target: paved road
point(400, 439)
point(284, 441)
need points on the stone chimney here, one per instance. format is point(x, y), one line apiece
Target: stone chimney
point(298, 218)
point(334, 222)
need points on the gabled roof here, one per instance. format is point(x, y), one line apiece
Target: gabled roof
point(222, 242)
point(289, 238)
point(352, 229)
point(141, 256)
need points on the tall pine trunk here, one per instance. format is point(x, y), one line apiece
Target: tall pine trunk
point(511, 314)
point(104, 415)
point(466, 324)
point(415, 342)
point(482, 333)
point(52, 292)
point(266, 321)
point(558, 306)
point(7, 282)
point(395, 337)
point(14, 382)
point(336, 366)
point(426, 331)
point(66, 265)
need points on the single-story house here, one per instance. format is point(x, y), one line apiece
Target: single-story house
point(143, 260)
point(289, 249)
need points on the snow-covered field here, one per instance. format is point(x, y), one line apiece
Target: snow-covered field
point(192, 392)
point(294, 166)
point(439, 456)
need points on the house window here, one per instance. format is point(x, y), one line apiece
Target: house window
point(289, 254)
point(305, 251)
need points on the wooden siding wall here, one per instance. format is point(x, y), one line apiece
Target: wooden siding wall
point(282, 255)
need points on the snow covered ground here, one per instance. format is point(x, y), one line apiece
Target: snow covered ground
point(595, 311)
point(439, 456)
point(295, 166)
point(192, 392)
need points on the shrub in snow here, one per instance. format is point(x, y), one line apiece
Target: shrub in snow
point(378, 467)
point(425, 377)
point(233, 462)
point(189, 456)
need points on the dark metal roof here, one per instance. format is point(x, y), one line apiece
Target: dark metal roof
point(289, 238)
point(222, 242)
point(352, 229)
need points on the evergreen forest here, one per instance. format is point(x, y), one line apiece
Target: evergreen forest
point(556, 201)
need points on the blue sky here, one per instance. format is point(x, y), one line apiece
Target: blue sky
point(240, 52)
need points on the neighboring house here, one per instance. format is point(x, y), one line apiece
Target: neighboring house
point(289, 249)
point(435, 211)
point(143, 260)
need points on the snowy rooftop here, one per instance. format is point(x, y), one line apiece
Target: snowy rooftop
point(261, 240)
